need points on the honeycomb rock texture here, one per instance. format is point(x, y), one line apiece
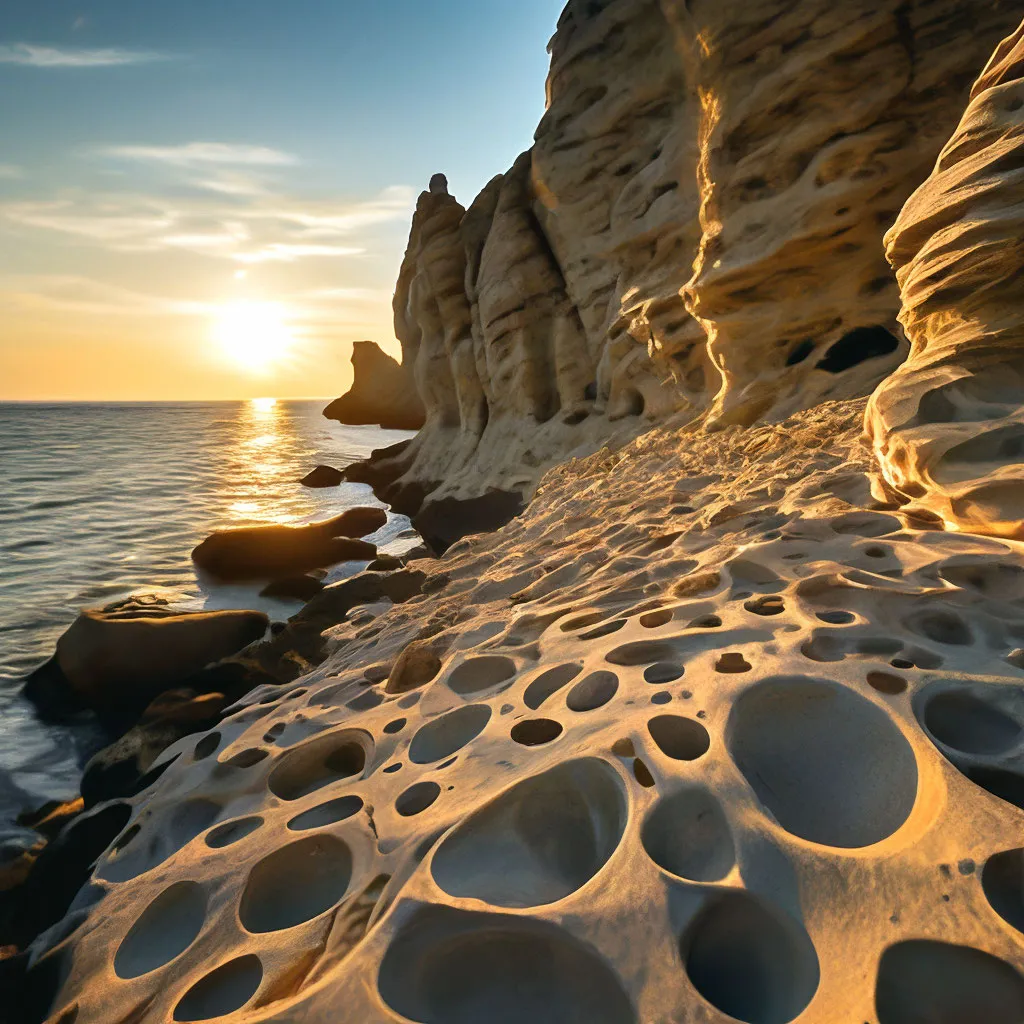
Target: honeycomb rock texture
point(707, 734)
point(697, 229)
point(948, 426)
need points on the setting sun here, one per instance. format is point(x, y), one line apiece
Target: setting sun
point(253, 335)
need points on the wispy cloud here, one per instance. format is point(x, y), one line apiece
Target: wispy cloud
point(69, 293)
point(288, 252)
point(199, 154)
point(31, 55)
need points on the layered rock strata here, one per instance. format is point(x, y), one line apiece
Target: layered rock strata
point(738, 162)
point(948, 426)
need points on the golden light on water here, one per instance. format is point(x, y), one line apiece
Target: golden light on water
point(254, 336)
point(263, 404)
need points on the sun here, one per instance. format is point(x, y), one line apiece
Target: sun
point(253, 335)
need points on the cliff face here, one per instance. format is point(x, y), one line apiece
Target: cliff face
point(696, 232)
point(382, 392)
point(948, 426)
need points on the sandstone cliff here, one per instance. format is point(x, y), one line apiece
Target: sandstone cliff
point(382, 392)
point(948, 426)
point(696, 232)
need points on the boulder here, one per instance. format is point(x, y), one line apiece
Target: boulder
point(382, 392)
point(301, 587)
point(271, 552)
point(115, 662)
point(322, 476)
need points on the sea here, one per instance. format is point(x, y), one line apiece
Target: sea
point(102, 501)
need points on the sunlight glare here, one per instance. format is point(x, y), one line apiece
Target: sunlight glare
point(253, 335)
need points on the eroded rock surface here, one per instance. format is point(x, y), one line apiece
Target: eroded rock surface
point(948, 426)
point(708, 733)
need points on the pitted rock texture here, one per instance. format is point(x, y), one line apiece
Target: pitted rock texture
point(735, 161)
point(707, 734)
point(382, 392)
point(948, 426)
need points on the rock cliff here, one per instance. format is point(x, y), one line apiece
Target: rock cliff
point(948, 426)
point(382, 392)
point(696, 232)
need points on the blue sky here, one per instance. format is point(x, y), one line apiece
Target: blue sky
point(163, 163)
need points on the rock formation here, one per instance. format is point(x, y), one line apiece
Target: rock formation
point(948, 426)
point(734, 161)
point(381, 392)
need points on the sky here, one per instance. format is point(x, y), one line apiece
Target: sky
point(210, 198)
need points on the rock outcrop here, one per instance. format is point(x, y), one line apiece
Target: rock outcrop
point(695, 233)
point(381, 393)
point(948, 426)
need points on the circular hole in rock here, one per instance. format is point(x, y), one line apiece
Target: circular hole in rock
point(651, 620)
point(319, 762)
point(732, 661)
point(768, 604)
point(836, 617)
point(539, 841)
point(391, 768)
point(662, 672)
point(705, 622)
point(680, 738)
point(752, 962)
point(580, 621)
point(295, 883)
point(246, 758)
point(1002, 879)
point(231, 831)
point(447, 966)
point(642, 774)
point(549, 682)
point(886, 682)
point(603, 630)
point(206, 746)
point(327, 813)
point(164, 930)
point(365, 701)
point(222, 991)
point(963, 721)
point(592, 691)
point(687, 835)
point(831, 766)
point(448, 733)
point(417, 798)
point(661, 697)
point(478, 674)
point(395, 726)
point(940, 983)
point(533, 732)
point(409, 701)
point(642, 652)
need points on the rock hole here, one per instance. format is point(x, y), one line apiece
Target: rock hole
point(327, 813)
point(206, 746)
point(246, 758)
point(651, 620)
point(661, 697)
point(222, 991)
point(1008, 786)
point(886, 682)
point(1002, 879)
point(163, 931)
point(642, 652)
point(295, 883)
point(831, 766)
point(732, 661)
point(680, 738)
point(687, 835)
point(662, 672)
point(396, 725)
point(799, 352)
point(539, 841)
point(416, 798)
point(768, 604)
point(365, 701)
point(450, 732)
point(642, 774)
point(941, 983)
point(318, 763)
point(603, 630)
point(549, 682)
point(580, 621)
point(836, 617)
point(448, 966)
point(534, 732)
point(479, 674)
point(705, 622)
point(593, 691)
point(944, 627)
point(857, 346)
point(751, 962)
point(231, 831)
point(961, 720)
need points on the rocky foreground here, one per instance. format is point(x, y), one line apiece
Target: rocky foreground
point(728, 722)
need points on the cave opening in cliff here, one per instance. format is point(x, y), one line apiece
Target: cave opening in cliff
point(857, 346)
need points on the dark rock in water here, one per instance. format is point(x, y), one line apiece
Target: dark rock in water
point(116, 662)
point(272, 552)
point(444, 521)
point(382, 392)
point(322, 476)
point(384, 563)
point(302, 587)
point(420, 551)
point(383, 467)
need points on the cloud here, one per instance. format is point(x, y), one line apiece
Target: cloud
point(288, 252)
point(69, 293)
point(11, 171)
point(199, 154)
point(30, 55)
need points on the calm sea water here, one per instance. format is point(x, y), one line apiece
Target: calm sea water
point(99, 501)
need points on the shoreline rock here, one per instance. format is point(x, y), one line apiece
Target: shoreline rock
point(382, 392)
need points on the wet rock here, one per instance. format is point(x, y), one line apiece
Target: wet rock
point(322, 476)
point(269, 552)
point(303, 587)
point(443, 522)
